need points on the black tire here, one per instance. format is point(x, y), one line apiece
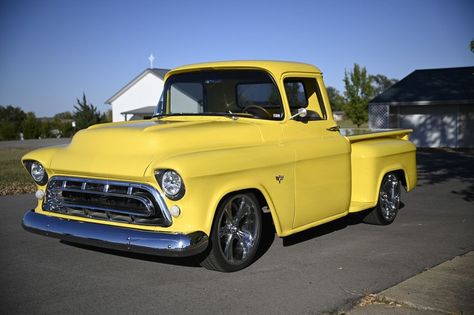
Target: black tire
point(236, 234)
point(388, 202)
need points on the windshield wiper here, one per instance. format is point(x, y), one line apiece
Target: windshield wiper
point(230, 115)
point(159, 116)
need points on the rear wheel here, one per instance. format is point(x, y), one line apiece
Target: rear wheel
point(388, 203)
point(236, 234)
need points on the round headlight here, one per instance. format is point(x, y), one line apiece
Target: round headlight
point(37, 172)
point(171, 184)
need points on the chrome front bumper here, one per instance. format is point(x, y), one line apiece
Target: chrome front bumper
point(113, 237)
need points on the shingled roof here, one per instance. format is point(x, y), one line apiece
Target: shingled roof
point(430, 87)
point(160, 72)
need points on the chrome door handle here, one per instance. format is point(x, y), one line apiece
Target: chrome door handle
point(334, 128)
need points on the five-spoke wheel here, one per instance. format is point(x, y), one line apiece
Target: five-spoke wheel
point(236, 233)
point(388, 203)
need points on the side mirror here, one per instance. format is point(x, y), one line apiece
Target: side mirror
point(302, 112)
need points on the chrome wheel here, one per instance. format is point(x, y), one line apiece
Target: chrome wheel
point(239, 227)
point(389, 197)
point(389, 201)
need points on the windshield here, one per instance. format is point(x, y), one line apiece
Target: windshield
point(250, 93)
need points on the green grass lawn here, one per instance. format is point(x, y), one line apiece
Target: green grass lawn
point(13, 177)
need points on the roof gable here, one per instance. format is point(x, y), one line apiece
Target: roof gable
point(160, 73)
point(430, 86)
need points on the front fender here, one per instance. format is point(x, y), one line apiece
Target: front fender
point(211, 175)
point(44, 156)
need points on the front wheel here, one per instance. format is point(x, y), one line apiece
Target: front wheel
point(236, 234)
point(389, 201)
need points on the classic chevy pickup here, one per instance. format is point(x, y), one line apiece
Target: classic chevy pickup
point(230, 142)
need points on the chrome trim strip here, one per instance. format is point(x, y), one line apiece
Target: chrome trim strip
point(95, 208)
point(130, 185)
point(113, 237)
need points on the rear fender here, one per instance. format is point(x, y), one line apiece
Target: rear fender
point(372, 159)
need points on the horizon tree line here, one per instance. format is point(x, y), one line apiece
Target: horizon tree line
point(15, 124)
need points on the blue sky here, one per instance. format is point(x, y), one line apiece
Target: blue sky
point(52, 51)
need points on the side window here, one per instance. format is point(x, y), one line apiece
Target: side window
point(296, 94)
point(305, 92)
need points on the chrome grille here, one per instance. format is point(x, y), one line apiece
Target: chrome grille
point(106, 200)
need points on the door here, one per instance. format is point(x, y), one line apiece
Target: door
point(322, 156)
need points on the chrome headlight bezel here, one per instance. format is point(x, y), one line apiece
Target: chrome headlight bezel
point(37, 172)
point(171, 183)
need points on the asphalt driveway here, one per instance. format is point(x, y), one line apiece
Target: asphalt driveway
point(316, 271)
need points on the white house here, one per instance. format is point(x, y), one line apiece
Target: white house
point(438, 104)
point(139, 98)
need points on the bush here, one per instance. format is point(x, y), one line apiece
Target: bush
point(10, 122)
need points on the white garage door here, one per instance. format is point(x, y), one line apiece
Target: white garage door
point(434, 126)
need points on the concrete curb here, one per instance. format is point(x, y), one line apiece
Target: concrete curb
point(445, 289)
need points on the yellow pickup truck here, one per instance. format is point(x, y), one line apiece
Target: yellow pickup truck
point(230, 142)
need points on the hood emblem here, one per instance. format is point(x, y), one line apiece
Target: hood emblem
point(279, 178)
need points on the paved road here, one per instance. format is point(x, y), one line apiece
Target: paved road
point(321, 270)
point(33, 143)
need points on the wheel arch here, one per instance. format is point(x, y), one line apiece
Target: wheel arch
point(397, 170)
point(262, 197)
point(401, 174)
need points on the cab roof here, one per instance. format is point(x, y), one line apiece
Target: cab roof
point(277, 68)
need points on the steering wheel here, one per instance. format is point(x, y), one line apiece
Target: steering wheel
point(260, 108)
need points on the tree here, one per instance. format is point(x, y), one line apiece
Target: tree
point(63, 115)
point(472, 45)
point(63, 123)
point(8, 131)
point(358, 93)
point(31, 126)
point(380, 83)
point(108, 116)
point(85, 114)
point(10, 122)
point(45, 130)
point(335, 98)
point(66, 129)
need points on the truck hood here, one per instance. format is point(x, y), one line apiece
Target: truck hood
point(125, 150)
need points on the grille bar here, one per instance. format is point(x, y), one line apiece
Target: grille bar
point(143, 200)
point(106, 200)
